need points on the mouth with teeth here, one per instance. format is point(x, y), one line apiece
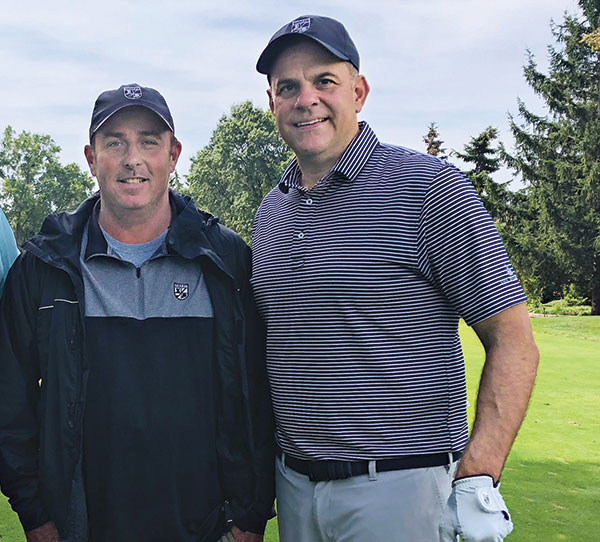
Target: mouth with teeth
point(134, 180)
point(309, 122)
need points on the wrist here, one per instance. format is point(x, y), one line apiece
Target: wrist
point(474, 464)
point(469, 477)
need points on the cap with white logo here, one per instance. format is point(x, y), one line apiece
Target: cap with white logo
point(111, 101)
point(327, 32)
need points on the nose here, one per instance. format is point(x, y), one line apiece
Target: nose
point(307, 97)
point(132, 159)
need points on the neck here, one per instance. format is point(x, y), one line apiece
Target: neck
point(135, 228)
point(315, 167)
point(313, 172)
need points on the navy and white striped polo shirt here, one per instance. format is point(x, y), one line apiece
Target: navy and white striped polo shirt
point(361, 282)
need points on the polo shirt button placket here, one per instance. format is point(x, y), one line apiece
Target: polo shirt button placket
point(304, 217)
point(298, 250)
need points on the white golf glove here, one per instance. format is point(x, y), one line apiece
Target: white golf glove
point(475, 511)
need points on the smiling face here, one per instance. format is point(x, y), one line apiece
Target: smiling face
point(315, 98)
point(132, 157)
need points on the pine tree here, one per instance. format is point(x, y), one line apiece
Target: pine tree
point(434, 143)
point(558, 156)
point(486, 160)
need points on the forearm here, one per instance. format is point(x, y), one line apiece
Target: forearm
point(504, 391)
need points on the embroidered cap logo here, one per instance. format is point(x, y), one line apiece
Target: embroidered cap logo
point(132, 93)
point(300, 25)
point(181, 291)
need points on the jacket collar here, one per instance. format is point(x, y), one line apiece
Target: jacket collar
point(196, 233)
point(192, 233)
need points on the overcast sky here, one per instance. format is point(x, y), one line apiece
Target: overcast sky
point(456, 62)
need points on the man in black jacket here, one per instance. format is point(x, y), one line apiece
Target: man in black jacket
point(134, 404)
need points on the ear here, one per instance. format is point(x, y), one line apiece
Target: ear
point(175, 153)
point(361, 91)
point(90, 156)
point(271, 104)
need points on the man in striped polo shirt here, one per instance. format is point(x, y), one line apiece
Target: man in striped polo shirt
point(365, 256)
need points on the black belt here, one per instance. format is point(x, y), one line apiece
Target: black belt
point(320, 471)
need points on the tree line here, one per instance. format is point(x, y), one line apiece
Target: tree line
point(551, 226)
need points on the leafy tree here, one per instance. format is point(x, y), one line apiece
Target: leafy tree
point(434, 143)
point(558, 155)
point(34, 183)
point(242, 162)
point(486, 160)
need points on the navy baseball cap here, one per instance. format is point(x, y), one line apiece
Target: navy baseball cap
point(327, 32)
point(111, 101)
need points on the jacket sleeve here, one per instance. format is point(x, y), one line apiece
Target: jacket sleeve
point(261, 413)
point(19, 393)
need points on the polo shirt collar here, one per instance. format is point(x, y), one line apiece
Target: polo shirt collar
point(348, 166)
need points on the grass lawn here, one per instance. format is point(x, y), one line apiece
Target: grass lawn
point(551, 482)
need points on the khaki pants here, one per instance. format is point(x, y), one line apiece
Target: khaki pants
point(395, 506)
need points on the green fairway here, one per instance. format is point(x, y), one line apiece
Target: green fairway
point(552, 480)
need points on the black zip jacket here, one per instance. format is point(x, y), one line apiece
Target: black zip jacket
point(43, 369)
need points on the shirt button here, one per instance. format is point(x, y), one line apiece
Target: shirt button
point(301, 235)
point(309, 201)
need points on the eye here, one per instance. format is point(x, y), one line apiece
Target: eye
point(286, 89)
point(150, 142)
point(325, 82)
point(113, 143)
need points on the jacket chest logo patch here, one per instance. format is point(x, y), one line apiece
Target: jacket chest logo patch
point(181, 291)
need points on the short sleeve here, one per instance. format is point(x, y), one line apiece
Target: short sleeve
point(461, 252)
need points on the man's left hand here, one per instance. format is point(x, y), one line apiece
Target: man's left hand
point(245, 536)
point(476, 511)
